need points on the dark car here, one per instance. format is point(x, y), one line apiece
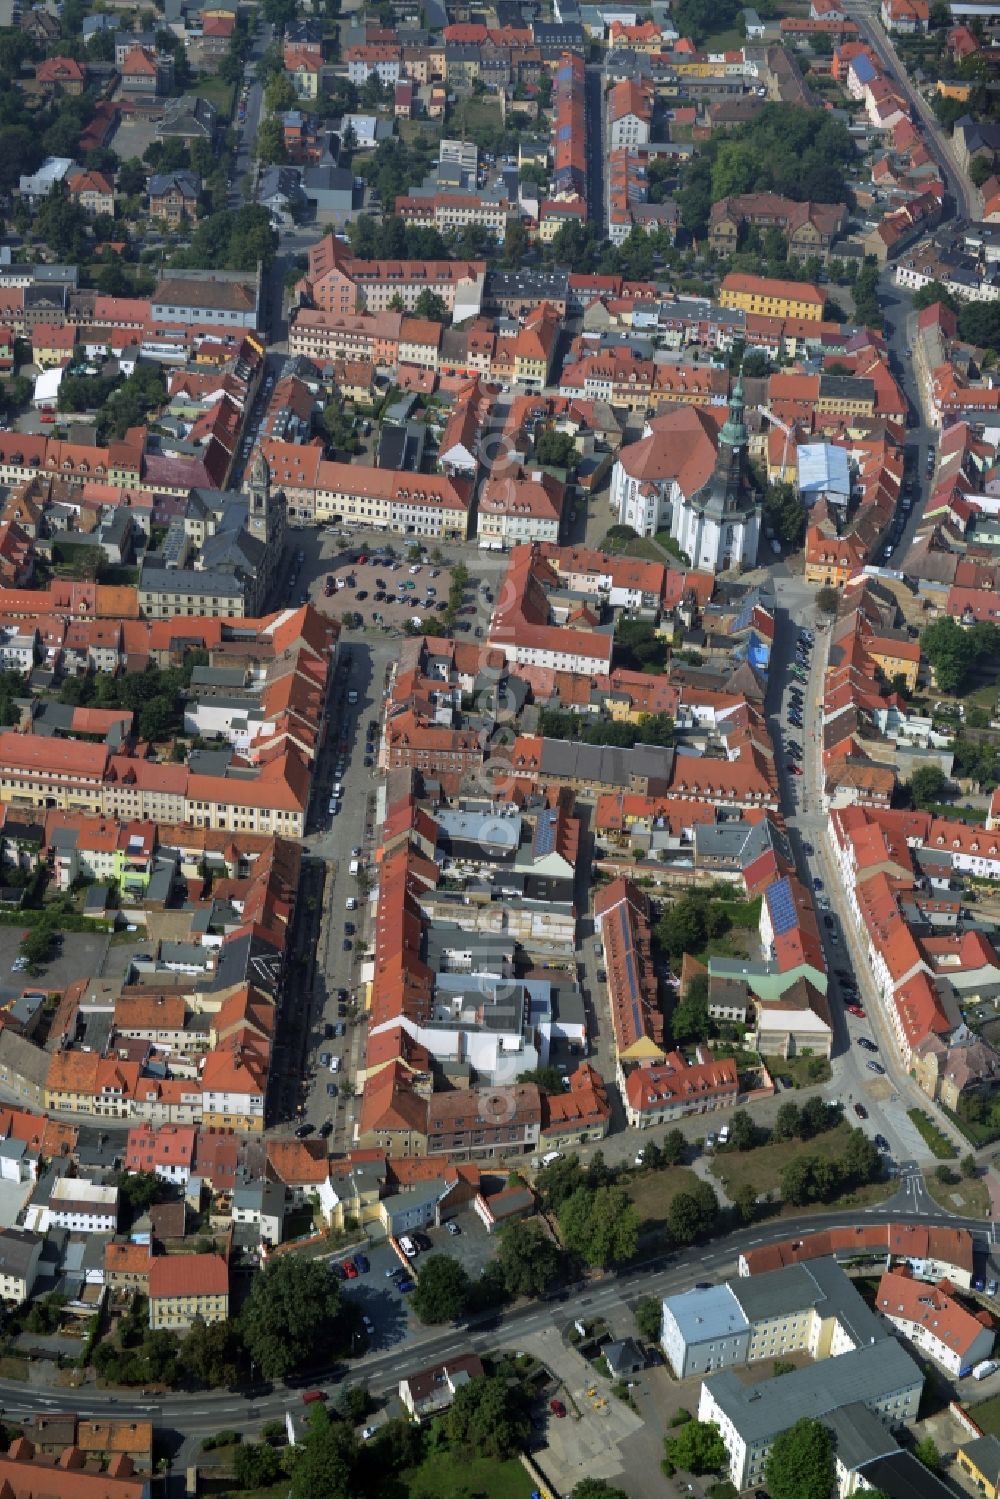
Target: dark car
point(362, 1263)
point(876, 1067)
point(326, 1128)
point(341, 1010)
point(303, 1130)
point(866, 1045)
point(369, 762)
point(348, 928)
point(338, 1270)
point(328, 1032)
point(342, 995)
point(861, 1111)
point(372, 728)
point(881, 1142)
point(348, 944)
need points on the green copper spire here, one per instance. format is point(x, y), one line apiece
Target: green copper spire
point(734, 432)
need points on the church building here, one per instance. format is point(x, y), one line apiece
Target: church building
point(688, 478)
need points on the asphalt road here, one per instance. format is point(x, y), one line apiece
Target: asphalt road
point(885, 1098)
point(196, 1415)
point(865, 13)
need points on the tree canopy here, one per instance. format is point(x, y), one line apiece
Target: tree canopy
point(442, 1290)
point(529, 1261)
point(234, 239)
point(697, 1447)
point(601, 1226)
point(800, 1462)
point(955, 651)
point(488, 1418)
point(293, 1316)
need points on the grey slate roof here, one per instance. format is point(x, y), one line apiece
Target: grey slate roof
point(759, 1412)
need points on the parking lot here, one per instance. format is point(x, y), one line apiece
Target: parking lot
point(385, 591)
point(391, 592)
point(74, 955)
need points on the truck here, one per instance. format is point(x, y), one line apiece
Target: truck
point(988, 1366)
point(355, 866)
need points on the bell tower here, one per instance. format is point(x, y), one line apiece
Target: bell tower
point(260, 519)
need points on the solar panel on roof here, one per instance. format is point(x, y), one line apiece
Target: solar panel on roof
point(545, 834)
point(782, 907)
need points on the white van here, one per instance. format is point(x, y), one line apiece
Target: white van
point(550, 1156)
point(352, 903)
point(408, 1247)
point(355, 866)
point(334, 1064)
point(338, 788)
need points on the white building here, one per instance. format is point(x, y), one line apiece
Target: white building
point(879, 1376)
point(676, 480)
point(938, 1325)
point(74, 1203)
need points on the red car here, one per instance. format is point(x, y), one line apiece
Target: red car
point(46, 416)
point(557, 1408)
point(793, 769)
point(856, 1010)
point(362, 560)
point(350, 1269)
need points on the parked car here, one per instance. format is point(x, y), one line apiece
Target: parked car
point(866, 1044)
point(861, 1111)
point(876, 1067)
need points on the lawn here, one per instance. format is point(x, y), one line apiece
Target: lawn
point(473, 114)
point(731, 40)
point(653, 1191)
point(987, 1415)
point(448, 1476)
point(969, 1198)
point(762, 1168)
point(216, 90)
point(937, 1143)
point(801, 1072)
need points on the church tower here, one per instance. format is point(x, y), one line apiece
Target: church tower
point(266, 524)
point(719, 526)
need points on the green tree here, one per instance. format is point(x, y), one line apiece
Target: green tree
point(967, 1165)
point(745, 1202)
point(488, 1419)
point(787, 1121)
point(140, 1189)
point(954, 652)
point(256, 1465)
point(743, 1133)
point(529, 1261)
point(815, 1117)
point(828, 600)
point(555, 449)
point(860, 1162)
point(558, 1182)
point(442, 1290)
point(269, 147)
point(326, 1458)
point(674, 1146)
point(979, 324)
point(800, 1462)
point(596, 1488)
point(648, 1315)
point(689, 1019)
point(926, 1450)
point(697, 1447)
point(692, 1213)
point(808, 1178)
point(927, 785)
point(293, 1316)
point(601, 1226)
point(934, 291)
point(784, 513)
point(430, 305)
point(210, 1353)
